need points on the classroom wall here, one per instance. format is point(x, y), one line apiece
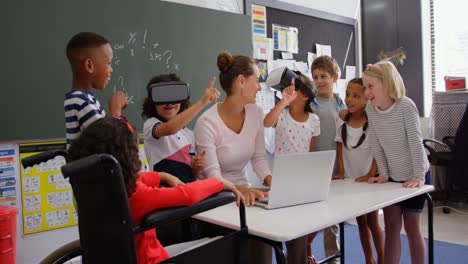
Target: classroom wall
point(348, 8)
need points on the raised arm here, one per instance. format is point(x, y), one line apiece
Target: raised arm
point(117, 102)
point(182, 119)
point(289, 94)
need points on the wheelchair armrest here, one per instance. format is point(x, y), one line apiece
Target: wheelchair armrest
point(166, 216)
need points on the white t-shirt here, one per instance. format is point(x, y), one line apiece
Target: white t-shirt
point(356, 161)
point(292, 136)
point(175, 147)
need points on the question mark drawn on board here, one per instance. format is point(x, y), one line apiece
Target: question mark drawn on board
point(168, 57)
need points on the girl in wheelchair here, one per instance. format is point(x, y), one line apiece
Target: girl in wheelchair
point(117, 138)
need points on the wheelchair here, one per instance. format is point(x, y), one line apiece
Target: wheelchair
point(106, 227)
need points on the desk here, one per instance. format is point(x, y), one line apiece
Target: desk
point(346, 200)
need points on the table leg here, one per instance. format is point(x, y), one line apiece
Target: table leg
point(430, 215)
point(340, 254)
point(277, 247)
point(342, 246)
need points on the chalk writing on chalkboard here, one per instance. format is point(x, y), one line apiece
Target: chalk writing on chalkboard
point(119, 85)
point(132, 48)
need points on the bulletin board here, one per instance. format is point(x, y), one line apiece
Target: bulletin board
point(314, 27)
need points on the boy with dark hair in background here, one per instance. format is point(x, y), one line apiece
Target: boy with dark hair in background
point(90, 57)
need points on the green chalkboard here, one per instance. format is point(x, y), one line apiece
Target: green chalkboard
point(149, 37)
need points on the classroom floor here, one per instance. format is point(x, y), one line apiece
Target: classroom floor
point(447, 227)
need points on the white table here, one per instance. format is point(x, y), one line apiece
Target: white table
point(346, 200)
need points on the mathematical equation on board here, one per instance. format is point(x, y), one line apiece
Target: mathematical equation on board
point(138, 45)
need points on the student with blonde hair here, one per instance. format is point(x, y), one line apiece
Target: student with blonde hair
point(396, 144)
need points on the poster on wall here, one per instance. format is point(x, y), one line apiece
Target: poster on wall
point(47, 198)
point(259, 20)
point(141, 153)
point(285, 38)
point(8, 170)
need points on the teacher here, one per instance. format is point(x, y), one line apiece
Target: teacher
point(231, 133)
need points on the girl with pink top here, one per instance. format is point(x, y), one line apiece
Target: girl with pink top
point(296, 127)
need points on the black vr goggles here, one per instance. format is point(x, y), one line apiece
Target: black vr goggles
point(281, 78)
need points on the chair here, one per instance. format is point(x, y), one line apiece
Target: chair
point(451, 153)
point(106, 227)
point(461, 153)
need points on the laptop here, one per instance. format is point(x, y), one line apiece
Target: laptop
point(299, 178)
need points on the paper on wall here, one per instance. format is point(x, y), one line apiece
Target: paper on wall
point(293, 42)
point(285, 38)
point(8, 172)
point(263, 69)
point(340, 88)
point(323, 50)
point(270, 65)
point(310, 58)
point(266, 100)
point(302, 67)
point(259, 21)
point(280, 37)
point(262, 48)
point(280, 63)
point(286, 55)
point(350, 72)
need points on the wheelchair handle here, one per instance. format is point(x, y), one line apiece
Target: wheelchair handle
point(42, 157)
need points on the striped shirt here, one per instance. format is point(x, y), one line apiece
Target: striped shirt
point(81, 109)
point(396, 141)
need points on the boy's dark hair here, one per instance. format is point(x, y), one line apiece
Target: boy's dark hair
point(232, 66)
point(110, 136)
point(325, 63)
point(83, 40)
point(149, 108)
point(344, 131)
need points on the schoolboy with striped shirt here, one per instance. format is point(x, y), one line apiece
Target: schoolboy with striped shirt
point(90, 57)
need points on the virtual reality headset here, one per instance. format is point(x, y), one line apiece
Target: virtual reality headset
point(281, 78)
point(168, 92)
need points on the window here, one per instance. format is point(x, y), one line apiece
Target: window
point(449, 19)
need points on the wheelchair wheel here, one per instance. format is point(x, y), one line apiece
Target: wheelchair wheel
point(67, 254)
